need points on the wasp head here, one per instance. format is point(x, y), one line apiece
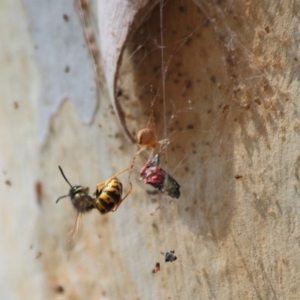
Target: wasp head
point(79, 195)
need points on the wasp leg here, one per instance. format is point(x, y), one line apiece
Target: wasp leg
point(104, 183)
point(101, 185)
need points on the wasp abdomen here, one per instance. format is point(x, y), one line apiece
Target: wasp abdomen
point(104, 205)
point(109, 197)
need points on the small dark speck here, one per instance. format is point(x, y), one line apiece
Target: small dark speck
point(182, 8)
point(190, 126)
point(67, 69)
point(238, 176)
point(38, 255)
point(38, 191)
point(295, 58)
point(266, 87)
point(206, 23)
point(225, 107)
point(16, 105)
point(156, 68)
point(66, 17)
point(157, 268)
point(246, 106)
point(213, 78)
point(152, 192)
point(119, 93)
point(188, 83)
point(111, 110)
point(7, 182)
point(60, 289)
point(267, 29)
point(83, 4)
point(187, 40)
point(257, 100)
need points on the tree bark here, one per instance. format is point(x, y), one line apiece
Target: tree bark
point(220, 80)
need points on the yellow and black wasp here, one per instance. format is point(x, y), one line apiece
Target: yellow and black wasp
point(108, 195)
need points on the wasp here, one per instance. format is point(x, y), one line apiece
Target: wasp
point(109, 194)
point(152, 174)
point(79, 195)
point(108, 197)
point(82, 202)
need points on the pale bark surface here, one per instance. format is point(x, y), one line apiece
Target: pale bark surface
point(229, 106)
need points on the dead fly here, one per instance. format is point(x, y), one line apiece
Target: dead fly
point(152, 174)
point(170, 257)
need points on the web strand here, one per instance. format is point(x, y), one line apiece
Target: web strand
point(163, 69)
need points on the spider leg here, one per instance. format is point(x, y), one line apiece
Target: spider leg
point(164, 143)
point(104, 183)
point(100, 185)
point(118, 174)
point(142, 150)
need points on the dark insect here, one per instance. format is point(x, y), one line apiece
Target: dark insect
point(170, 257)
point(108, 195)
point(152, 174)
point(108, 198)
point(80, 198)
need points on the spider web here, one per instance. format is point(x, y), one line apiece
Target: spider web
point(199, 70)
point(210, 84)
